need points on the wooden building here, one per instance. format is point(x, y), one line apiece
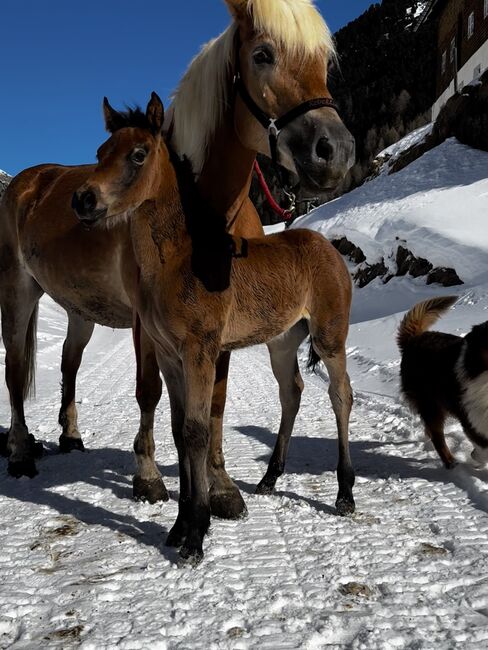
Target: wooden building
point(462, 44)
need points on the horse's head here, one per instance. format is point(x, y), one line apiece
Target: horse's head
point(128, 170)
point(282, 52)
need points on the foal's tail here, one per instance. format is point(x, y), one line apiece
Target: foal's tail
point(421, 317)
point(313, 358)
point(29, 388)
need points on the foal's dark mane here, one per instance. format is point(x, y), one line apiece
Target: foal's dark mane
point(132, 117)
point(212, 245)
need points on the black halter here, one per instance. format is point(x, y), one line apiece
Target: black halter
point(274, 125)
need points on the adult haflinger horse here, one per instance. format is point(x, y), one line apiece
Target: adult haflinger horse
point(194, 300)
point(271, 60)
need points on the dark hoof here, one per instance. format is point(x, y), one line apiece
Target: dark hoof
point(265, 487)
point(191, 555)
point(451, 465)
point(22, 468)
point(228, 504)
point(3, 445)
point(66, 444)
point(345, 506)
point(151, 491)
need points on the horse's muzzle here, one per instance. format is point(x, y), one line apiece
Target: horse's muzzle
point(85, 205)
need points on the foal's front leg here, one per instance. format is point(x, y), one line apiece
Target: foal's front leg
point(225, 499)
point(147, 484)
point(79, 334)
point(199, 375)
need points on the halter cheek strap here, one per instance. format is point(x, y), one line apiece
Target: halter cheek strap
point(274, 125)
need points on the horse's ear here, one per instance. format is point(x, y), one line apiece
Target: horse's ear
point(113, 119)
point(237, 8)
point(241, 14)
point(155, 113)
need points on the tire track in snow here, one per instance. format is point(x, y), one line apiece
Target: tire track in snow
point(85, 565)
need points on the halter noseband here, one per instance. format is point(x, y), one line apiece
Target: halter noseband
point(274, 125)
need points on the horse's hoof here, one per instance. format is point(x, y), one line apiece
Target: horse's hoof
point(265, 487)
point(151, 491)
point(3, 445)
point(66, 444)
point(36, 447)
point(451, 464)
point(228, 504)
point(345, 506)
point(20, 468)
point(191, 555)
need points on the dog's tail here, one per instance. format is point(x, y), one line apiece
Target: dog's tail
point(421, 317)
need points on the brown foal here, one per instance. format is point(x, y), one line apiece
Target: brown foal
point(194, 300)
point(281, 50)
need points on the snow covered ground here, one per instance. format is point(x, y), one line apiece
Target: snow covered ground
point(85, 566)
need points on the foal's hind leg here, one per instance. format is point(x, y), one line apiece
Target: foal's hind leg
point(79, 333)
point(147, 484)
point(333, 354)
point(283, 353)
point(19, 297)
point(225, 499)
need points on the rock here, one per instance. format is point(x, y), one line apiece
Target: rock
point(445, 276)
point(348, 249)
point(369, 272)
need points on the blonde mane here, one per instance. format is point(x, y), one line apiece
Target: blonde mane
point(204, 93)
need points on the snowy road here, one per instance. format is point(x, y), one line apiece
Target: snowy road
point(82, 565)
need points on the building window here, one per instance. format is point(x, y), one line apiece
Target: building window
point(452, 49)
point(471, 24)
point(485, 10)
point(443, 62)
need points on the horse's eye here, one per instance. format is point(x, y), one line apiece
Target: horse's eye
point(263, 56)
point(138, 157)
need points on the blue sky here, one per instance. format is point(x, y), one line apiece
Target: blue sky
point(58, 58)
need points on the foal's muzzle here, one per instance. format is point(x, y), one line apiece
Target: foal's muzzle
point(85, 205)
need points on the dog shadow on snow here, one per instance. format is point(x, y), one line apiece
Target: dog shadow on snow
point(106, 469)
point(316, 456)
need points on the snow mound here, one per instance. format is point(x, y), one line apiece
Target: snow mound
point(436, 207)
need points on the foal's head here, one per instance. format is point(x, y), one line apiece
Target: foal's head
point(129, 165)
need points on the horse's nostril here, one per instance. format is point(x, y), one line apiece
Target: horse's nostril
point(88, 201)
point(324, 149)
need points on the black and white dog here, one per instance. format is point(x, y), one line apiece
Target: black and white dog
point(443, 374)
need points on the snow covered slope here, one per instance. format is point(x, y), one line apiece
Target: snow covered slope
point(437, 207)
point(83, 566)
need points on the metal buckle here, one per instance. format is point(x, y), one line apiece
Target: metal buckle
point(272, 129)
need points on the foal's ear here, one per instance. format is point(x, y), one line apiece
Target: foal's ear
point(113, 119)
point(155, 113)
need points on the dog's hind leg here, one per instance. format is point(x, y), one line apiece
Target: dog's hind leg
point(283, 354)
point(79, 333)
point(434, 429)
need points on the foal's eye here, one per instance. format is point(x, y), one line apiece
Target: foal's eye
point(263, 55)
point(138, 157)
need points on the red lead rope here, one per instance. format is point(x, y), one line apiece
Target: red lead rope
point(285, 215)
